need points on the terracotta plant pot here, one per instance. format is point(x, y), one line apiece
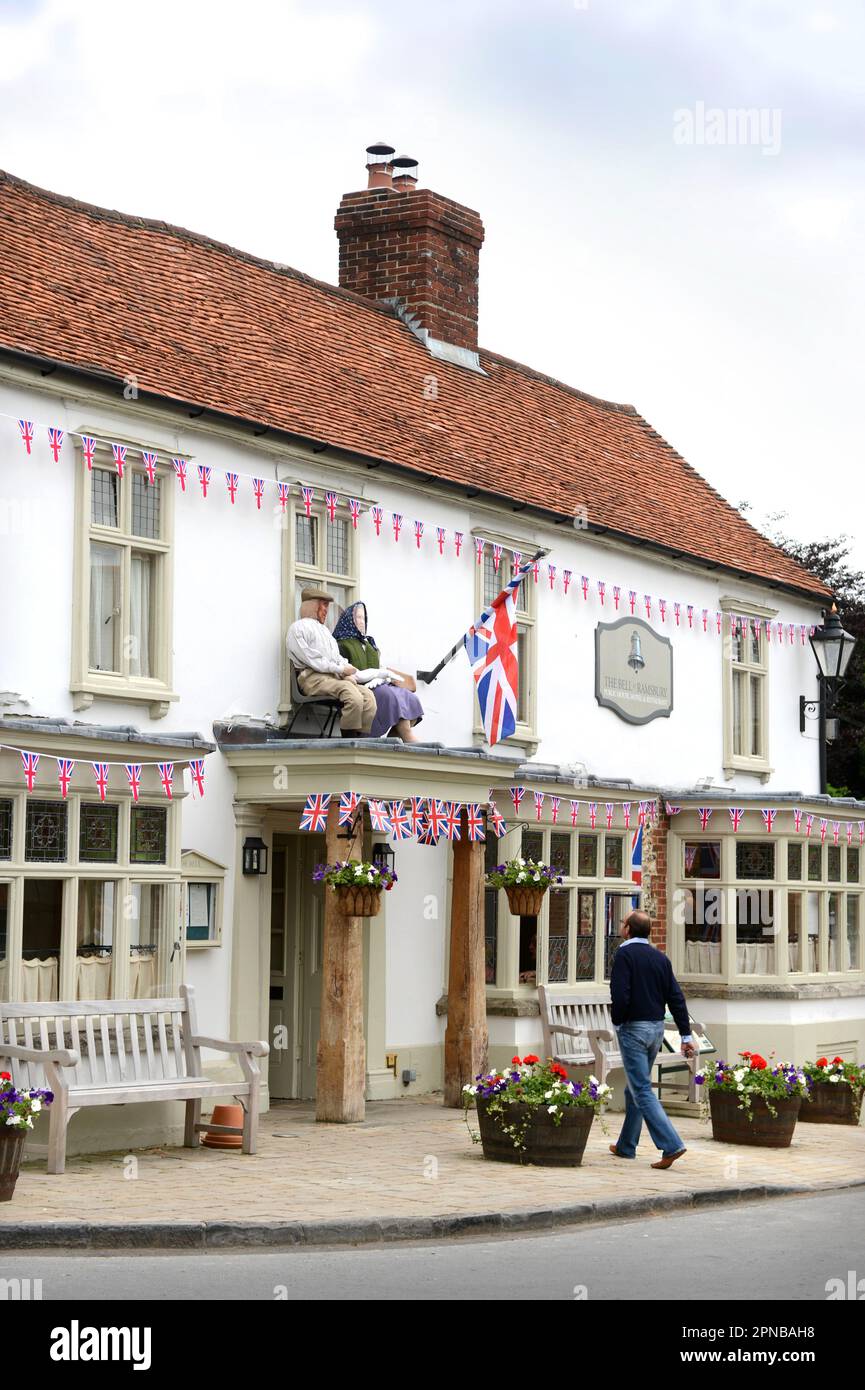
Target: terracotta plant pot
point(548, 1145)
point(832, 1103)
point(11, 1149)
point(225, 1115)
point(354, 901)
point(732, 1125)
point(524, 902)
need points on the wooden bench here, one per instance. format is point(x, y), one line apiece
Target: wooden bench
point(119, 1051)
point(578, 1031)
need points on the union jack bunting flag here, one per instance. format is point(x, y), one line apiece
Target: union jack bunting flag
point(769, 819)
point(231, 484)
point(196, 770)
point(88, 448)
point(55, 441)
point(458, 540)
point(377, 514)
point(354, 511)
point(204, 472)
point(30, 762)
point(632, 599)
point(617, 594)
point(491, 647)
point(780, 632)
point(802, 633)
point(641, 813)
point(284, 490)
point(718, 618)
point(426, 834)
point(672, 810)
point(65, 767)
point(180, 472)
point(705, 814)
point(824, 826)
point(861, 826)
point(584, 585)
point(593, 814)
point(166, 777)
point(602, 590)
point(100, 772)
point(348, 804)
point(378, 816)
point(452, 821)
point(133, 777)
point(836, 831)
point(396, 522)
point(479, 549)
point(307, 494)
point(551, 571)
point(119, 452)
point(736, 814)
point(647, 599)
point(626, 814)
point(475, 821)
point(418, 533)
point(440, 539)
point(517, 794)
point(677, 612)
point(258, 489)
point(575, 812)
point(497, 557)
point(734, 624)
point(516, 560)
point(797, 821)
point(662, 605)
point(690, 615)
point(536, 569)
point(849, 832)
point(496, 821)
point(417, 813)
point(400, 823)
point(705, 619)
point(314, 813)
point(767, 627)
point(150, 462)
point(331, 502)
point(791, 629)
point(566, 579)
point(610, 811)
point(555, 803)
point(436, 815)
point(809, 826)
point(26, 428)
point(539, 804)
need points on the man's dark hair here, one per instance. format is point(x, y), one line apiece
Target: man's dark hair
point(639, 924)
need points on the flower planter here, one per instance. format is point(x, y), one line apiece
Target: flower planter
point(11, 1149)
point(757, 1125)
point(357, 902)
point(547, 1144)
point(524, 902)
point(832, 1103)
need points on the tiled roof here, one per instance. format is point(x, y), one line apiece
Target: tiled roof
point(200, 322)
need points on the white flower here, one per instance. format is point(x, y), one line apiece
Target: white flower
point(521, 860)
point(536, 878)
point(548, 1095)
point(370, 878)
point(739, 1073)
point(521, 877)
point(593, 1081)
point(358, 871)
point(602, 1090)
point(551, 1109)
point(35, 1106)
point(835, 1078)
point(740, 1087)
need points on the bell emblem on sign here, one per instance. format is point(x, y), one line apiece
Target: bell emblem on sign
point(636, 660)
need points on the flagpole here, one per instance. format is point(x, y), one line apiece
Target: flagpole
point(429, 676)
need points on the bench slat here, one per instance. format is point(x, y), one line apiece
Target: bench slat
point(150, 1073)
point(120, 1052)
point(163, 1046)
point(133, 1040)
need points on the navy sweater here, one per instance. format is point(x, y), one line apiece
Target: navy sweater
point(642, 984)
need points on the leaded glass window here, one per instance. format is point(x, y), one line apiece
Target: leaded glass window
point(147, 840)
point(614, 856)
point(45, 831)
point(338, 546)
point(146, 501)
point(5, 829)
point(533, 844)
point(587, 856)
point(755, 859)
point(97, 836)
point(559, 923)
point(794, 860)
point(852, 864)
point(833, 863)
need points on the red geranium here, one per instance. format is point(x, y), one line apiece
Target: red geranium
point(821, 1062)
point(530, 1060)
point(838, 1061)
point(758, 1063)
point(558, 1071)
point(515, 1061)
point(5, 1076)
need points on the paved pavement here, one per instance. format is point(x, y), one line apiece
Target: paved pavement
point(410, 1170)
point(696, 1256)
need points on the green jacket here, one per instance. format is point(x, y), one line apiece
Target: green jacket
point(362, 655)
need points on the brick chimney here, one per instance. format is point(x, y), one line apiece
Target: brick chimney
point(417, 250)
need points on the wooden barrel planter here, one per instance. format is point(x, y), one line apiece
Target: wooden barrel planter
point(832, 1103)
point(11, 1149)
point(756, 1126)
point(547, 1144)
point(352, 901)
point(524, 902)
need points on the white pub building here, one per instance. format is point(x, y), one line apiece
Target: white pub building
point(189, 436)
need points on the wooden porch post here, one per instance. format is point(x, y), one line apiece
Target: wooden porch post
point(341, 1080)
point(466, 1037)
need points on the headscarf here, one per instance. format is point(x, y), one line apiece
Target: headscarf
point(347, 627)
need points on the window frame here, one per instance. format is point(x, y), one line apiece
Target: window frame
point(757, 763)
point(526, 731)
point(87, 683)
point(200, 868)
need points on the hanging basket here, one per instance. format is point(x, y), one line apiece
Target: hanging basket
point(11, 1149)
point(524, 902)
point(832, 1103)
point(357, 902)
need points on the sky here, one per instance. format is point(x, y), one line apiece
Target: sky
point(644, 242)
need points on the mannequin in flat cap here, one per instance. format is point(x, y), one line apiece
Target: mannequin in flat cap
point(397, 706)
point(322, 670)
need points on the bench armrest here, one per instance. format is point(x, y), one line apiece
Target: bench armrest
point(63, 1057)
point(602, 1034)
point(251, 1049)
point(570, 1032)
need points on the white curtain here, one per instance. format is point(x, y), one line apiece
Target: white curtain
point(140, 615)
point(93, 977)
point(104, 599)
point(39, 980)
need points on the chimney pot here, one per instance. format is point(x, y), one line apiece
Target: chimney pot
point(379, 167)
point(404, 172)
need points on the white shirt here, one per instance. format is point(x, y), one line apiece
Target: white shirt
point(311, 647)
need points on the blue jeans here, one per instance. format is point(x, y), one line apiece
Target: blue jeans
point(639, 1044)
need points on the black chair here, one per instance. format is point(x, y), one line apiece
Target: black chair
point(325, 709)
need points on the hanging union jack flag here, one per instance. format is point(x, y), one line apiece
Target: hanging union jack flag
point(88, 448)
point(836, 831)
point(441, 535)
point(204, 473)
point(231, 484)
point(436, 816)
point(55, 441)
point(736, 814)
point(418, 533)
point(555, 803)
point(258, 489)
point(133, 777)
point(452, 820)
point(348, 804)
point(378, 817)
point(551, 571)
point(496, 821)
point(400, 821)
point(769, 819)
point(26, 428)
point(497, 556)
point(196, 769)
point(166, 777)
point(610, 809)
point(331, 502)
point(593, 814)
point(575, 812)
point(65, 768)
point(458, 540)
point(849, 832)
point(417, 814)
point(475, 821)
point(283, 489)
point(307, 493)
point(150, 462)
point(180, 472)
point(797, 820)
point(100, 772)
point(539, 804)
point(705, 814)
point(566, 579)
point(377, 514)
point(119, 452)
point(626, 814)
point(30, 762)
point(396, 523)
point(491, 646)
point(517, 794)
point(809, 825)
point(354, 511)
point(479, 549)
point(314, 814)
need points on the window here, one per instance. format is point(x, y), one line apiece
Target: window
point(318, 551)
point(122, 629)
point(97, 838)
point(203, 882)
point(5, 829)
point(491, 914)
point(746, 675)
point(489, 583)
point(147, 834)
point(45, 831)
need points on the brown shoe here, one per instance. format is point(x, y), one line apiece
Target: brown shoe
point(669, 1159)
point(615, 1151)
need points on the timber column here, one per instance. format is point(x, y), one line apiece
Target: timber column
point(341, 1081)
point(466, 1037)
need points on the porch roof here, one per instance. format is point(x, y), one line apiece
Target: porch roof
point(39, 733)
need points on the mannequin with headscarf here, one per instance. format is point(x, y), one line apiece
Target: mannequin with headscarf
point(397, 707)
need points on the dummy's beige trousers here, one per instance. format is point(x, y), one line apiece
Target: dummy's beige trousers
point(358, 703)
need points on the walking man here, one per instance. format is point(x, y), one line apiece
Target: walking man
point(642, 985)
